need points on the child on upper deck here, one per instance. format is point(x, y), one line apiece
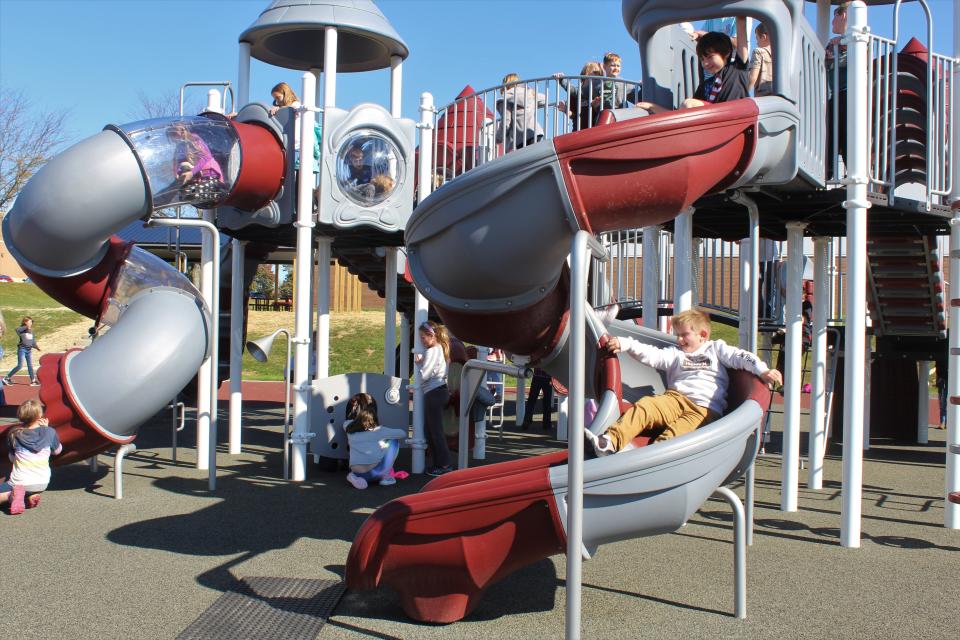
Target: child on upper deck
point(731, 77)
point(697, 383)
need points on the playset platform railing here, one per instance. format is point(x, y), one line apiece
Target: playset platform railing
point(716, 271)
point(482, 126)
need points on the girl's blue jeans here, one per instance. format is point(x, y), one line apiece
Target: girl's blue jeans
point(382, 470)
point(23, 353)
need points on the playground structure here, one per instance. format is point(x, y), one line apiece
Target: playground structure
point(489, 248)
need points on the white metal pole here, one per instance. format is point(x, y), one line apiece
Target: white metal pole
point(236, 344)
point(824, 14)
point(749, 284)
point(651, 277)
point(243, 75)
point(421, 306)
point(563, 418)
point(419, 443)
point(404, 348)
point(683, 261)
point(790, 469)
point(329, 67)
point(818, 392)
point(951, 511)
point(206, 374)
point(390, 312)
point(207, 395)
point(856, 325)
point(396, 85)
point(324, 258)
point(923, 401)
point(303, 273)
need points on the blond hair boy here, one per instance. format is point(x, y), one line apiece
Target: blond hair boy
point(697, 381)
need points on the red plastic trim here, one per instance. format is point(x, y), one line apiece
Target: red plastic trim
point(440, 550)
point(80, 438)
point(261, 168)
point(646, 170)
point(87, 292)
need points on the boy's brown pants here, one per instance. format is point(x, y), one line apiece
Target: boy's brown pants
point(662, 417)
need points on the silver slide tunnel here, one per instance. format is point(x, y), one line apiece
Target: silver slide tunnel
point(61, 228)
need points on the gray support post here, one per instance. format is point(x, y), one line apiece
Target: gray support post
point(739, 552)
point(923, 401)
point(790, 470)
point(651, 276)
point(122, 451)
point(818, 393)
point(683, 261)
point(390, 312)
point(236, 345)
point(243, 74)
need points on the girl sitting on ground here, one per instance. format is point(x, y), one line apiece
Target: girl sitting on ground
point(31, 443)
point(373, 448)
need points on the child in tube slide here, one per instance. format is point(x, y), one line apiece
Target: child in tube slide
point(196, 170)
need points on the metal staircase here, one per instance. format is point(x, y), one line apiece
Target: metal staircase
point(906, 287)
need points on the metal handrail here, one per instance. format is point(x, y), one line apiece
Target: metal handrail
point(507, 123)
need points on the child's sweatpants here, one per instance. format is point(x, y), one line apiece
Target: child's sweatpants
point(662, 417)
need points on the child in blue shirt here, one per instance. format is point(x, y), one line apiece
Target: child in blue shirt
point(373, 448)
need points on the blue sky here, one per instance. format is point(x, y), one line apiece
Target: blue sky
point(94, 57)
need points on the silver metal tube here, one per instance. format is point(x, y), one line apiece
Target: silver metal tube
point(579, 264)
point(739, 552)
point(211, 229)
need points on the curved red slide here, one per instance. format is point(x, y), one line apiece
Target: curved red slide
point(441, 548)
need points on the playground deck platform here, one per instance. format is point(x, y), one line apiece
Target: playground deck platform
point(85, 565)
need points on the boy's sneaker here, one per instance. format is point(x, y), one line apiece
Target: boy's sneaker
point(6, 380)
point(16, 499)
point(387, 481)
point(33, 501)
point(356, 481)
point(439, 471)
point(34, 383)
point(601, 444)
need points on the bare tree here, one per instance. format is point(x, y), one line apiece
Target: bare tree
point(166, 105)
point(28, 139)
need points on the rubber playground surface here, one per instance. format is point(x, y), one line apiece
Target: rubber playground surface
point(87, 566)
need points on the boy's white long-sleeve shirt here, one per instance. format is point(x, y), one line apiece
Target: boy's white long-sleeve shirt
point(697, 375)
point(433, 369)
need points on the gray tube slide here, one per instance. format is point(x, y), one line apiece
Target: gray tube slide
point(60, 229)
point(63, 217)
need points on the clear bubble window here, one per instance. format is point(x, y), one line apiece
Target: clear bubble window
point(369, 167)
point(190, 160)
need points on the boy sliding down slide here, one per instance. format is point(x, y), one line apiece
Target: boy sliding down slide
point(696, 384)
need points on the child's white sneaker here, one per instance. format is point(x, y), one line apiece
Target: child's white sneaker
point(356, 481)
point(601, 444)
point(387, 481)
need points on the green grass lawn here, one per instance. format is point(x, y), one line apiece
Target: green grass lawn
point(18, 300)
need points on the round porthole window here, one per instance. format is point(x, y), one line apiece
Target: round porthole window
point(369, 167)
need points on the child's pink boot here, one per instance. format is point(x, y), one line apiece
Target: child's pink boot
point(33, 501)
point(16, 499)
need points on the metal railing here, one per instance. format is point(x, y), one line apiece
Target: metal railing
point(717, 275)
point(485, 125)
point(907, 115)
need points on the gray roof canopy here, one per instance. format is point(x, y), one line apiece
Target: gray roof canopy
point(290, 34)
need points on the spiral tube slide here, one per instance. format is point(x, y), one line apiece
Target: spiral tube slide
point(489, 249)
point(60, 231)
